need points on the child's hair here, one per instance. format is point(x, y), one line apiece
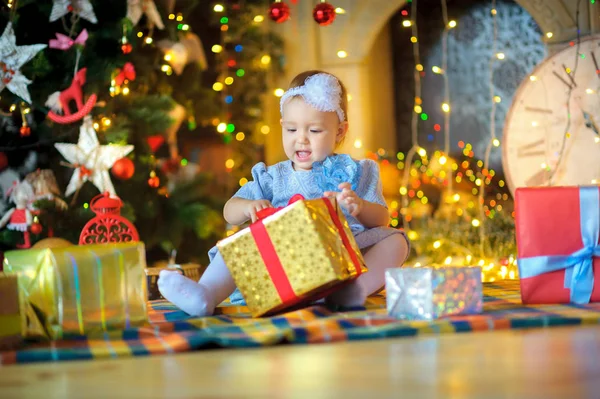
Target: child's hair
point(300, 79)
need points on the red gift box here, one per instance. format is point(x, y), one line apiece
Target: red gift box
point(551, 223)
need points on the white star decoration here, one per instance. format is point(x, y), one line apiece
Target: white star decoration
point(12, 58)
point(90, 159)
point(135, 9)
point(83, 8)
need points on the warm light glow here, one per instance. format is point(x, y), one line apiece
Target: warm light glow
point(12, 108)
point(413, 235)
point(413, 39)
point(456, 197)
point(243, 181)
point(218, 86)
point(589, 91)
point(278, 92)
point(443, 160)
point(452, 24)
point(125, 91)
point(259, 18)
point(597, 139)
point(437, 244)
point(406, 23)
point(96, 125)
point(436, 69)
point(229, 164)
point(340, 10)
point(497, 99)
point(229, 80)
point(533, 78)
point(148, 40)
point(500, 56)
point(106, 122)
point(419, 67)
point(403, 190)
point(549, 35)
point(496, 143)
point(418, 109)
point(265, 59)
point(217, 48)
point(493, 11)
point(264, 129)
point(422, 152)
point(217, 8)
point(448, 260)
point(446, 107)
point(168, 57)
point(475, 222)
point(342, 54)
point(349, 97)
point(240, 136)
point(534, 123)
point(358, 143)
point(222, 127)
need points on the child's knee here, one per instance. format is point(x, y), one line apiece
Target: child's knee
point(399, 247)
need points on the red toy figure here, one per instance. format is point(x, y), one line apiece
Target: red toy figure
point(20, 217)
point(59, 101)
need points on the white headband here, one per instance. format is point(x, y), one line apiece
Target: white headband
point(321, 91)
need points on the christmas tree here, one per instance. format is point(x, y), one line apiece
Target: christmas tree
point(154, 76)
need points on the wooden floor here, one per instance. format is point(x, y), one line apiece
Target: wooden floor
point(542, 363)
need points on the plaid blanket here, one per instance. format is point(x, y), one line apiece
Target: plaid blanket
point(172, 331)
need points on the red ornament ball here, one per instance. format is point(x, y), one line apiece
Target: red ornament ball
point(324, 14)
point(3, 161)
point(154, 182)
point(36, 228)
point(123, 169)
point(279, 12)
point(126, 48)
point(25, 131)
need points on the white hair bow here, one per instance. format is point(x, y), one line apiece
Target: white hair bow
point(321, 91)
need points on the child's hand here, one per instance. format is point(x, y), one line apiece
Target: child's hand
point(348, 198)
point(254, 206)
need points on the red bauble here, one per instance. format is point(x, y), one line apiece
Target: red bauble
point(36, 228)
point(324, 14)
point(108, 226)
point(25, 131)
point(279, 12)
point(3, 161)
point(123, 169)
point(154, 182)
point(126, 48)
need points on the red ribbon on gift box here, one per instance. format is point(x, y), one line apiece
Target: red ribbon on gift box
point(269, 255)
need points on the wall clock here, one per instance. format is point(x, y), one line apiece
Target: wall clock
point(538, 148)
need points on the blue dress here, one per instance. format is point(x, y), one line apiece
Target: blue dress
point(280, 182)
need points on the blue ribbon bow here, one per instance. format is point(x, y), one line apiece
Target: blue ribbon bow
point(579, 273)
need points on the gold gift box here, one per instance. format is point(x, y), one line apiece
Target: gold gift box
point(309, 248)
point(11, 320)
point(80, 289)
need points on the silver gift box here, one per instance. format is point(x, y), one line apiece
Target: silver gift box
point(427, 293)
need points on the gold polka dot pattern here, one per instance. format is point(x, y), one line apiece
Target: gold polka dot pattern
point(309, 248)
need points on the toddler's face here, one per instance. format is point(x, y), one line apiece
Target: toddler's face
point(309, 135)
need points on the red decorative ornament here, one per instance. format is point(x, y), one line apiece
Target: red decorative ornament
point(108, 226)
point(279, 11)
point(154, 182)
point(25, 131)
point(324, 14)
point(59, 101)
point(3, 161)
point(123, 169)
point(154, 142)
point(36, 228)
point(126, 48)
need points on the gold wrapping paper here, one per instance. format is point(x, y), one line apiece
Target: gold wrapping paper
point(81, 289)
point(11, 315)
point(309, 247)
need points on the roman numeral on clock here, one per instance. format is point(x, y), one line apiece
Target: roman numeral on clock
point(569, 85)
point(596, 64)
point(533, 149)
point(540, 178)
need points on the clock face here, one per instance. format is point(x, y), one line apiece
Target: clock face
point(542, 145)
